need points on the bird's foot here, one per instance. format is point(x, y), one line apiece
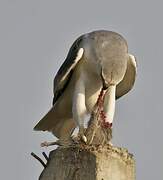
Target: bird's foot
point(84, 139)
point(110, 144)
point(104, 122)
point(81, 135)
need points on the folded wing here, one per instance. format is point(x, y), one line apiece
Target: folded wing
point(61, 81)
point(129, 79)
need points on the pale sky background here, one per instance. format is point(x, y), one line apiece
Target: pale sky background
point(35, 36)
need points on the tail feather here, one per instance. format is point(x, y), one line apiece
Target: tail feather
point(60, 127)
point(47, 122)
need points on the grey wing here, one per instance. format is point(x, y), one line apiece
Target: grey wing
point(60, 83)
point(129, 79)
point(65, 72)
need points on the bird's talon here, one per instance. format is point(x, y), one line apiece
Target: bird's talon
point(110, 144)
point(81, 135)
point(84, 139)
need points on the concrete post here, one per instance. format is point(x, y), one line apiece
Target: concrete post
point(89, 163)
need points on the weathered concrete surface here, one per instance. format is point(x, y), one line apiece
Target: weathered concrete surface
point(89, 163)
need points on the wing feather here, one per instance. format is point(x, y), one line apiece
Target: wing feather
point(129, 79)
point(61, 81)
point(65, 72)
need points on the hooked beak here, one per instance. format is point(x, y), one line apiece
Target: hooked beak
point(104, 83)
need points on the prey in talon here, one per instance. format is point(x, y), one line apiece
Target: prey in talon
point(97, 61)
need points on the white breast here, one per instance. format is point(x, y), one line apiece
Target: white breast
point(93, 85)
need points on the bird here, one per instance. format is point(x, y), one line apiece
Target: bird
point(96, 60)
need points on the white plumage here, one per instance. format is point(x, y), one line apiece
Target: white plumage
point(95, 60)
